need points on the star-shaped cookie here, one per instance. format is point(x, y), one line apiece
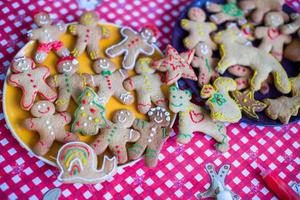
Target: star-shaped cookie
point(176, 65)
point(247, 103)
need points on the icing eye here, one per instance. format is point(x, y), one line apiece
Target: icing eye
point(43, 104)
point(39, 106)
point(181, 97)
point(174, 96)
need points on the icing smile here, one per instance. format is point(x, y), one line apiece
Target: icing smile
point(158, 120)
point(44, 112)
point(67, 68)
point(121, 119)
point(175, 105)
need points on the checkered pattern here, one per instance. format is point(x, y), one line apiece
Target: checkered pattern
point(180, 173)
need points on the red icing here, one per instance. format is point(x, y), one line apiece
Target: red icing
point(83, 101)
point(196, 117)
point(92, 110)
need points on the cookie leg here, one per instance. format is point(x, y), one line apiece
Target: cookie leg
point(257, 79)
point(143, 102)
point(43, 145)
point(65, 136)
point(93, 50)
point(225, 63)
point(124, 96)
point(47, 92)
point(99, 145)
point(130, 59)
point(40, 56)
point(185, 135)
point(258, 15)
point(63, 101)
point(277, 51)
point(78, 49)
point(190, 42)
point(27, 99)
point(159, 99)
point(220, 18)
point(221, 138)
point(213, 7)
point(120, 152)
point(137, 149)
point(265, 45)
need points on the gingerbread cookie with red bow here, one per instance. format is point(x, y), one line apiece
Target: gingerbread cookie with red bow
point(32, 81)
point(49, 125)
point(48, 36)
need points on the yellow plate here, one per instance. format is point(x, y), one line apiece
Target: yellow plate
point(14, 115)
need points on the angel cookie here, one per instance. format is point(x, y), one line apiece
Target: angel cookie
point(205, 63)
point(272, 38)
point(134, 44)
point(49, 125)
point(235, 52)
point(223, 108)
point(199, 30)
point(176, 65)
point(32, 81)
point(88, 35)
point(109, 82)
point(89, 117)
point(153, 135)
point(117, 135)
point(69, 82)
point(147, 85)
point(77, 163)
point(225, 12)
point(48, 36)
point(194, 118)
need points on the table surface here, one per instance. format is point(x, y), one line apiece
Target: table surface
point(180, 172)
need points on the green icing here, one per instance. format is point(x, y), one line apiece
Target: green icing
point(218, 99)
point(233, 10)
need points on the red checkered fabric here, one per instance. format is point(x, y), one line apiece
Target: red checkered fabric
point(180, 173)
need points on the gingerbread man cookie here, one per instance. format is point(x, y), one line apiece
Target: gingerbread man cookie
point(48, 36)
point(223, 108)
point(49, 125)
point(205, 63)
point(134, 44)
point(69, 83)
point(147, 85)
point(235, 52)
point(260, 8)
point(199, 29)
point(117, 135)
point(88, 35)
point(193, 118)
point(176, 65)
point(32, 81)
point(109, 82)
point(272, 38)
point(153, 135)
point(225, 12)
point(77, 163)
point(89, 117)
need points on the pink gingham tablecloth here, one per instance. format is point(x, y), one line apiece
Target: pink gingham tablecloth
point(180, 173)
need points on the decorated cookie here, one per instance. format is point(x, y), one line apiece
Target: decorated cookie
point(48, 36)
point(247, 103)
point(32, 81)
point(199, 29)
point(153, 135)
point(235, 52)
point(272, 38)
point(223, 108)
point(49, 125)
point(176, 65)
point(77, 163)
point(90, 113)
point(88, 35)
point(117, 135)
point(244, 75)
point(134, 44)
point(260, 8)
point(225, 12)
point(68, 81)
point(109, 82)
point(205, 63)
point(283, 108)
point(292, 51)
point(218, 189)
point(147, 84)
point(193, 118)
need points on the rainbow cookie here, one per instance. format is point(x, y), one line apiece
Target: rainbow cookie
point(77, 162)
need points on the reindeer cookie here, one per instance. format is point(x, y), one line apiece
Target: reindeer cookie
point(49, 125)
point(235, 52)
point(147, 85)
point(225, 12)
point(69, 82)
point(194, 118)
point(117, 135)
point(199, 29)
point(109, 82)
point(223, 108)
point(153, 135)
point(176, 65)
point(205, 63)
point(32, 81)
point(88, 35)
point(48, 36)
point(89, 116)
point(292, 51)
point(260, 8)
point(134, 44)
point(77, 163)
point(271, 36)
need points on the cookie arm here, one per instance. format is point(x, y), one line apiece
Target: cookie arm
point(261, 32)
point(66, 117)
point(73, 29)
point(52, 81)
point(132, 135)
point(139, 125)
point(104, 32)
point(148, 49)
point(33, 34)
point(185, 24)
point(129, 84)
point(128, 32)
point(30, 124)
point(13, 80)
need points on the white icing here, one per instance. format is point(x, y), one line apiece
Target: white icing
point(81, 108)
point(84, 124)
